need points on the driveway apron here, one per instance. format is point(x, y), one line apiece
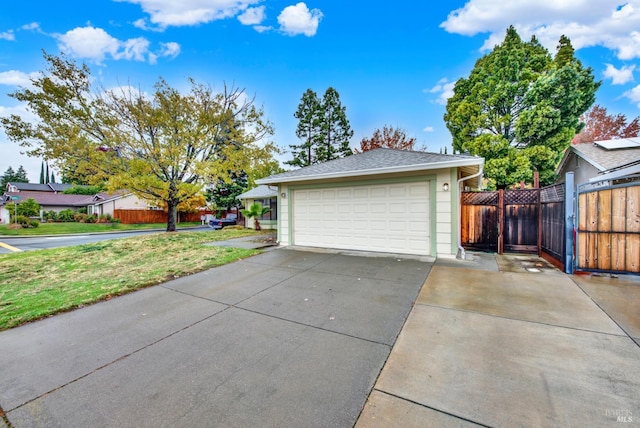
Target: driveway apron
point(283, 339)
point(507, 349)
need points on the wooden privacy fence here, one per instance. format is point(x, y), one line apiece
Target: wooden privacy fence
point(525, 220)
point(552, 203)
point(154, 216)
point(608, 228)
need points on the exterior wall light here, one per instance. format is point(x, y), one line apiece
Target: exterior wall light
point(283, 195)
point(445, 187)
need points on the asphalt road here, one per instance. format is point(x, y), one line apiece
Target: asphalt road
point(24, 243)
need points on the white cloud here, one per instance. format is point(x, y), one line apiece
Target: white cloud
point(16, 78)
point(428, 129)
point(167, 13)
point(95, 44)
point(262, 28)
point(609, 23)
point(299, 19)
point(621, 76)
point(89, 42)
point(171, 50)
point(31, 26)
point(252, 16)
point(445, 90)
point(7, 35)
point(633, 95)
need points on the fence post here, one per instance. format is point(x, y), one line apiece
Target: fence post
point(500, 221)
point(569, 222)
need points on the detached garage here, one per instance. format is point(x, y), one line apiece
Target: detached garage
point(383, 200)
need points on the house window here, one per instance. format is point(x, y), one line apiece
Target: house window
point(272, 205)
point(90, 209)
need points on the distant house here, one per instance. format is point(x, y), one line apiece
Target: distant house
point(51, 198)
point(267, 196)
point(601, 160)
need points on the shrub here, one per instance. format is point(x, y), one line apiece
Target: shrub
point(80, 218)
point(91, 218)
point(50, 216)
point(26, 222)
point(66, 215)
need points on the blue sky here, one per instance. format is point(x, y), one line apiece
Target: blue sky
point(393, 64)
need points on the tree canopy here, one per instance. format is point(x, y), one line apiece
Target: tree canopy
point(324, 128)
point(163, 147)
point(390, 138)
point(599, 125)
point(519, 108)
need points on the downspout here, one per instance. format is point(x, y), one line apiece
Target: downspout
point(461, 254)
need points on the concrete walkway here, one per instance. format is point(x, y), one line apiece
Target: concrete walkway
point(488, 347)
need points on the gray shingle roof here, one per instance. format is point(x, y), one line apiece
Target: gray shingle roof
point(374, 162)
point(261, 192)
point(604, 159)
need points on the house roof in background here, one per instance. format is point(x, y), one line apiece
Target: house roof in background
point(261, 192)
point(48, 199)
point(37, 187)
point(378, 161)
point(608, 155)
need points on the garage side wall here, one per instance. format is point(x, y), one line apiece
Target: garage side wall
point(442, 220)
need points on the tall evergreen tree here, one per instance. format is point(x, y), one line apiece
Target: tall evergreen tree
point(21, 175)
point(333, 141)
point(53, 178)
point(519, 108)
point(309, 127)
point(324, 128)
point(46, 173)
point(42, 180)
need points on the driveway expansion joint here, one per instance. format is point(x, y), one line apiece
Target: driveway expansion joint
point(526, 321)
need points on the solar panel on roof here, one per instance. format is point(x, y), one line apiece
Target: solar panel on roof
point(623, 143)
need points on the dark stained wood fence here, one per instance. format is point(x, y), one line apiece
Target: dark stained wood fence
point(552, 202)
point(524, 220)
point(609, 228)
point(521, 216)
point(479, 229)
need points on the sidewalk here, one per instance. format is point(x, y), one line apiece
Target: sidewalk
point(488, 347)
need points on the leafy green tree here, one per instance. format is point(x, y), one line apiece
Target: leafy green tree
point(29, 208)
point(255, 211)
point(519, 108)
point(163, 147)
point(84, 190)
point(324, 128)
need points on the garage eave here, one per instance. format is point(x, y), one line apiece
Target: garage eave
point(375, 171)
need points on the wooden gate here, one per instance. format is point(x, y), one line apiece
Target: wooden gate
point(521, 216)
point(505, 220)
point(609, 227)
point(479, 218)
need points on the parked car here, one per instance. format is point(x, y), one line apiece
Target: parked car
point(219, 223)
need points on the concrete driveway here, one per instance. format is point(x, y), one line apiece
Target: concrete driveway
point(284, 339)
point(489, 347)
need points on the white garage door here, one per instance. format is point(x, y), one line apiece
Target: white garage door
point(387, 217)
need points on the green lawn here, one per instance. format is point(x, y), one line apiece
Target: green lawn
point(66, 228)
point(37, 284)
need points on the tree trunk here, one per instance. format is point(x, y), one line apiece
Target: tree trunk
point(256, 223)
point(172, 214)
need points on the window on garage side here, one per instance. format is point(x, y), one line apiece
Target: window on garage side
point(272, 205)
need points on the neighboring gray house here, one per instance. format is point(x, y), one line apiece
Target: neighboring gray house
point(601, 160)
point(383, 200)
point(267, 196)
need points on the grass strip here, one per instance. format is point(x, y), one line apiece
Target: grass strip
point(67, 228)
point(37, 284)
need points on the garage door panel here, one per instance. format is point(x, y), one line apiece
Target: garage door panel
point(388, 218)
